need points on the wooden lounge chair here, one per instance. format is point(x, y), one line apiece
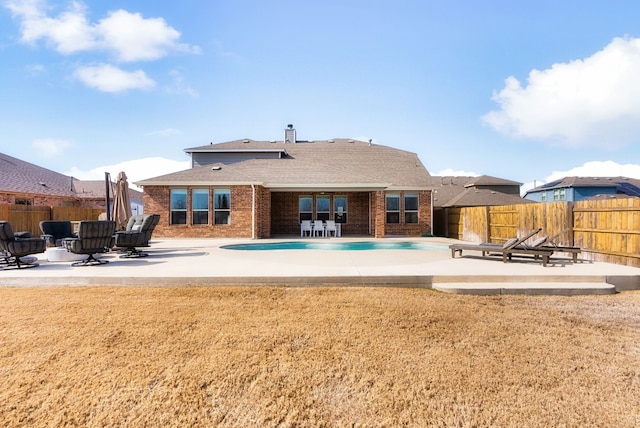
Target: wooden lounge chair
point(552, 244)
point(513, 247)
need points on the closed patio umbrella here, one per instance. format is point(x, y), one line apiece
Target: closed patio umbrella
point(121, 202)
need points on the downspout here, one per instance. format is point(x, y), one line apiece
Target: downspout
point(432, 234)
point(253, 211)
point(371, 229)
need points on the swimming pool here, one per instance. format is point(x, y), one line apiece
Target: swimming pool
point(346, 246)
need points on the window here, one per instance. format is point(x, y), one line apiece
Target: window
point(543, 197)
point(24, 201)
point(178, 206)
point(323, 204)
point(393, 208)
point(200, 206)
point(559, 194)
point(340, 209)
point(305, 208)
point(410, 208)
point(222, 209)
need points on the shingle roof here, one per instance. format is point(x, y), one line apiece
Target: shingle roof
point(338, 163)
point(630, 186)
point(472, 197)
point(468, 191)
point(95, 189)
point(18, 176)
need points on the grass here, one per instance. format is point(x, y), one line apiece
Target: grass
point(275, 356)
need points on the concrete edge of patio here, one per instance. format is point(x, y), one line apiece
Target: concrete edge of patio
point(473, 285)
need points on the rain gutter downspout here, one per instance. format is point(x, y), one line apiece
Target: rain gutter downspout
point(253, 211)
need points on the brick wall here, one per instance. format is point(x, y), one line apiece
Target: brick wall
point(424, 217)
point(157, 200)
point(277, 214)
point(286, 220)
point(48, 201)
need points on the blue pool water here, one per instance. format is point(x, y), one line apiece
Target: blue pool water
point(347, 246)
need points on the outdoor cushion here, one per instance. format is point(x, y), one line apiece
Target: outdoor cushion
point(509, 243)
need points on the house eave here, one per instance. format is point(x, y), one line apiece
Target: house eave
point(197, 183)
point(326, 187)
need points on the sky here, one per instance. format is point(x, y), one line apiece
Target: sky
point(525, 91)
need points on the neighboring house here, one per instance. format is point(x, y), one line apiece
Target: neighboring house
point(23, 183)
point(572, 189)
point(93, 193)
point(257, 189)
point(457, 192)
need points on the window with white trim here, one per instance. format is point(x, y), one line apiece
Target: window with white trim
point(200, 206)
point(560, 194)
point(222, 206)
point(323, 205)
point(393, 208)
point(340, 209)
point(305, 208)
point(411, 204)
point(178, 206)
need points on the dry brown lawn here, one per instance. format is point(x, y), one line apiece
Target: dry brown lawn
point(276, 356)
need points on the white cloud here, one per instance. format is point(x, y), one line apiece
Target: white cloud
point(179, 86)
point(590, 102)
point(590, 169)
point(108, 78)
point(164, 132)
point(70, 32)
point(51, 146)
point(136, 170)
point(455, 173)
point(127, 36)
point(133, 38)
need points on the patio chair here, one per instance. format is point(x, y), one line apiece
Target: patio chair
point(318, 228)
point(305, 228)
point(137, 234)
point(14, 246)
point(514, 246)
point(330, 227)
point(94, 237)
point(54, 231)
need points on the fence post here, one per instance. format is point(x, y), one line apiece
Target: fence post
point(570, 222)
point(487, 230)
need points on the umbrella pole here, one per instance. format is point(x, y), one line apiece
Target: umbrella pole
point(107, 179)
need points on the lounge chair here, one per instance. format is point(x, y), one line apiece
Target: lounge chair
point(54, 231)
point(514, 246)
point(94, 236)
point(552, 244)
point(14, 246)
point(137, 234)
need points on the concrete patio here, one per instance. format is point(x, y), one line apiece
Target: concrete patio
point(203, 262)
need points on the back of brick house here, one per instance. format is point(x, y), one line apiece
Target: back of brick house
point(260, 189)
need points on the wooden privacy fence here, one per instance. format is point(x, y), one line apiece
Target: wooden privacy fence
point(606, 230)
point(28, 217)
